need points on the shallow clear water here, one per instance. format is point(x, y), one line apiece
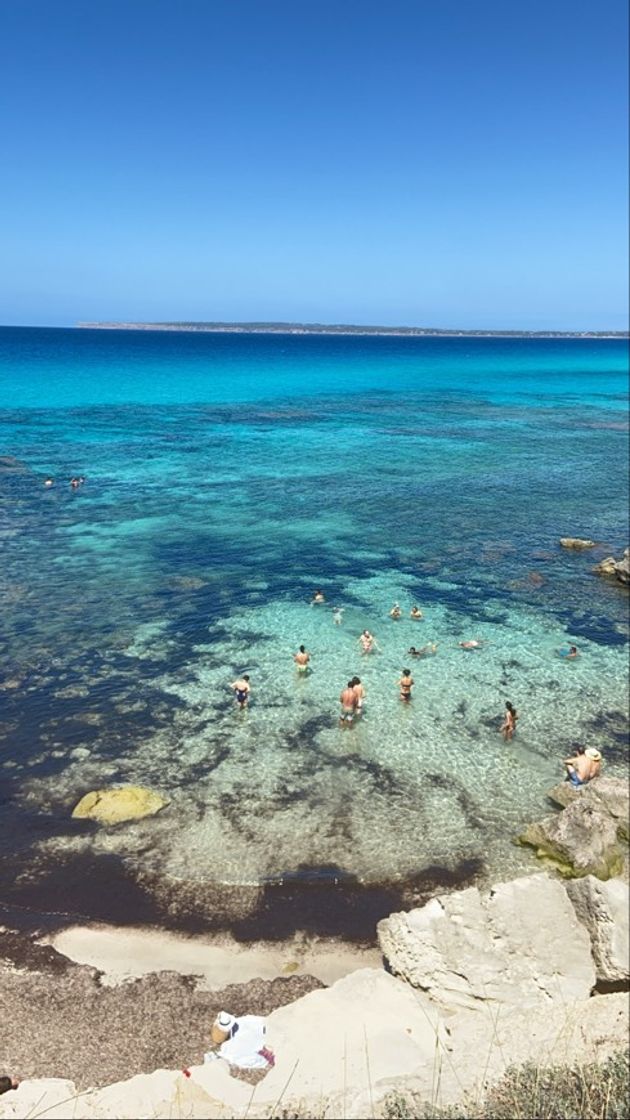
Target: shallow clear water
point(227, 478)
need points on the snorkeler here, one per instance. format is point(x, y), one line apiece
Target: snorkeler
point(241, 689)
point(302, 658)
point(424, 651)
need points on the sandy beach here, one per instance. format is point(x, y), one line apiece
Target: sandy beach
point(140, 999)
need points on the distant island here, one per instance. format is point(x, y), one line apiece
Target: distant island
point(343, 328)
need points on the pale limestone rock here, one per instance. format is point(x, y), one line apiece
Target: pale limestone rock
point(519, 945)
point(576, 542)
point(607, 567)
point(618, 568)
point(163, 1094)
point(484, 1043)
point(610, 796)
point(582, 840)
point(603, 909)
point(126, 803)
point(53, 1097)
point(366, 1029)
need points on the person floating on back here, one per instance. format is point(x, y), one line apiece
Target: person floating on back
point(241, 689)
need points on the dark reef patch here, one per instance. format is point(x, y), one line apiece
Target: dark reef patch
point(322, 901)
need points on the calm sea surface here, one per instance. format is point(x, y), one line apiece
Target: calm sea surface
point(227, 477)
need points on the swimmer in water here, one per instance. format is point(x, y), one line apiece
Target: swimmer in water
point(395, 611)
point(405, 685)
point(302, 658)
point(367, 642)
point(338, 615)
point(347, 699)
point(359, 694)
point(241, 689)
point(49, 482)
point(508, 727)
point(570, 653)
point(416, 613)
point(474, 643)
point(318, 597)
point(424, 651)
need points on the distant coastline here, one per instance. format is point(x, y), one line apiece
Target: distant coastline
point(342, 329)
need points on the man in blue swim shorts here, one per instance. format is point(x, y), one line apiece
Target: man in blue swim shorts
point(241, 690)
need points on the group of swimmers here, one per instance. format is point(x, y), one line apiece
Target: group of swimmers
point(75, 482)
point(580, 769)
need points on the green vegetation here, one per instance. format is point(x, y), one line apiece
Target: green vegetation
point(595, 1092)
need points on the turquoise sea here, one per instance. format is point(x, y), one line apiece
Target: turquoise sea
point(228, 477)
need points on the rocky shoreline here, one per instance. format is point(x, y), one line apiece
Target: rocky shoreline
point(471, 982)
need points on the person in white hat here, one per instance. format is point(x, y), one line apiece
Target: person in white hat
point(222, 1028)
point(584, 766)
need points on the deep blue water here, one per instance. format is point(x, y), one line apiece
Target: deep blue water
point(227, 477)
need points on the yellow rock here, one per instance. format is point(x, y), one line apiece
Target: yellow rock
point(110, 806)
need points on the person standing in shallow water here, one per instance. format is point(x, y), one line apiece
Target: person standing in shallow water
point(318, 597)
point(405, 685)
point(508, 727)
point(359, 694)
point(302, 658)
point(241, 689)
point(347, 699)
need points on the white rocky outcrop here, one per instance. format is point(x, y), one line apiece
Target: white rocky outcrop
point(516, 946)
point(491, 979)
point(603, 909)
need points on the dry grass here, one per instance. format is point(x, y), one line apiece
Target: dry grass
point(529, 1092)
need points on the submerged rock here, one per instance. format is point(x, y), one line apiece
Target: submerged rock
point(111, 806)
point(576, 542)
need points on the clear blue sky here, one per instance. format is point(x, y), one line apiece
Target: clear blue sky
point(425, 162)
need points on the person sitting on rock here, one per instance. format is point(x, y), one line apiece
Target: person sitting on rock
point(584, 766)
point(8, 1083)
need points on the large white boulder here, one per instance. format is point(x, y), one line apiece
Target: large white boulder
point(518, 945)
point(603, 909)
point(364, 1031)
